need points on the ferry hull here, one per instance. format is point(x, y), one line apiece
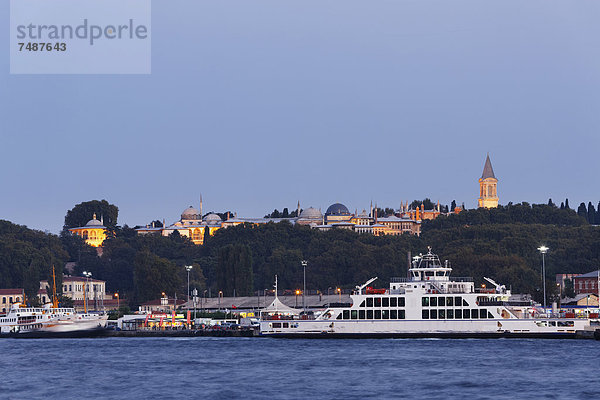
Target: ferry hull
point(428, 335)
point(41, 334)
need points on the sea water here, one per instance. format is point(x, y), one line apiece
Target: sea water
point(268, 368)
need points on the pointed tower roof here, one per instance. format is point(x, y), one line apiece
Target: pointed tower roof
point(488, 171)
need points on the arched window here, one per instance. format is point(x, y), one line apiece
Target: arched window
point(85, 235)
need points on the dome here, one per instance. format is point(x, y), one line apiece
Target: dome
point(190, 213)
point(93, 222)
point(337, 209)
point(311, 213)
point(212, 219)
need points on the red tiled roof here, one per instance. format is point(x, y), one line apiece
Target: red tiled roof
point(11, 291)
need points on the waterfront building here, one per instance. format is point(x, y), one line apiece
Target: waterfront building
point(337, 213)
point(586, 283)
point(163, 305)
point(488, 186)
point(94, 232)
point(8, 297)
point(80, 289)
point(581, 300)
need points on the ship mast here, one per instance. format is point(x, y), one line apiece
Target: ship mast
point(54, 298)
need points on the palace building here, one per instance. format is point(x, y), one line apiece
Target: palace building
point(94, 232)
point(488, 190)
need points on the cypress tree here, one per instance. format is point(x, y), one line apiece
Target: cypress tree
point(550, 203)
point(567, 204)
point(562, 205)
point(453, 205)
point(582, 211)
point(591, 213)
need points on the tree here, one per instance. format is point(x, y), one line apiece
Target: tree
point(569, 290)
point(154, 275)
point(567, 204)
point(591, 213)
point(453, 205)
point(206, 234)
point(234, 270)
point(550, 203)
point(582, 211)
point(285, 213)
point(83, 212)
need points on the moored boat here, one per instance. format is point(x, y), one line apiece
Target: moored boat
point(429, 303)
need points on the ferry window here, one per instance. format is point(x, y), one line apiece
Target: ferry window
point(286, 324)
point(433, 301)
point(385, 302)
point(361, 314)
point(385, 314)
point(401, 302)
point(354, 314)
point(425, 314)
point(369, 302)
point(465, 303)
point(401, 314)
point(346, 314)
point(552, 323)
point(425, 301)
point(377, 301)
point(457, 301)
point(449, 301)
point(362, 304)
point(276, 324)
point(393, 314)
point(474, 314)
point(482, 313)
point(339, 316)
point(369, 314)
point(441, 301)
point(433, 314)
point(458, 314)
point(377, 314)
point(428, 273)
point(450, 314)
point(393, 302)
point(442, 314)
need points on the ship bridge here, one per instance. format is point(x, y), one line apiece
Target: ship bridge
point(429, 268)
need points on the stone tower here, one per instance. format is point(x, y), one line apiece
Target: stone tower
point(488, 193)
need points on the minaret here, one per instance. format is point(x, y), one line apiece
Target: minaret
point(371, 211)
point(488, 193)
point(298, 212)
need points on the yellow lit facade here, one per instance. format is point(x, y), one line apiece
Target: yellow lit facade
point(488, 186)
point(94, 232)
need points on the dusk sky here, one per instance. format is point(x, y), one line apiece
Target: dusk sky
point(258, 104)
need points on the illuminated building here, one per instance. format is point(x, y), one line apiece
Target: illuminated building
point(488, 193)
point(94, 232)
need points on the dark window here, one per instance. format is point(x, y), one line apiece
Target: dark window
point(339, 316)
point(385, 314)
point(465, 304)
point(401, 314)
point(425, 301)
point(393, 302)
point(425, 314)
point(346, 314)
point(474, 314)
point(369, 302)
point(482, 313)
point(393, 314)
point(457, 301)
point(369, 314)
point(433, 314)
point(442, 314)
point(490, 315)
point(377, 314)
point(377, 301)
point(353, 314)
point(362, 304)
point(449, 301)
point(401, 302)
point(385, 302)
point(361, 314)
point(286, 324)
point(433, 301)
point(450, 314)
point(441, 301)
point(276, 324)
point(458, 314)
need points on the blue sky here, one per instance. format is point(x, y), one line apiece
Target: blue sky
point(259, 104)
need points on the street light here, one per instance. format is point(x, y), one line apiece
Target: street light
point(188, 268)
point(543, 249)
point(340, 293)
point(86, 289)
point(220, 294)
point(304, 264)
point(118, 301)
point(297, 293)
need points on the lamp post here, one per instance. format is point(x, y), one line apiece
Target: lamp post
point(195, 300)
point(559, 295)
point(86, 288)
point(188, 268)
point(304, 264)
point(118, 301)
point(543, 249)
point(340, 293)
point(297, 293)
point(220, 294)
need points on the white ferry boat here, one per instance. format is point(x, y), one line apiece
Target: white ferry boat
point(427, 304)
point(49, 321)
